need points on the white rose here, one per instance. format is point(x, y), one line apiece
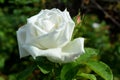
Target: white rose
point(49, 34)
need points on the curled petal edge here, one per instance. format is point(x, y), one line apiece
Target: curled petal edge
point(68, 53)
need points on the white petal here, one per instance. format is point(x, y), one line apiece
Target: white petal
point(67, 54)
point(32, 19)
point(73, 49)
point(56, 38)
point(70, 52)
point(67, 16)
point(32, 32)
point(21, 37)
point(53, 53)
point(47, 23)
point(70, 22)
point(49, 40)
point(25, 35)
point(35, 17)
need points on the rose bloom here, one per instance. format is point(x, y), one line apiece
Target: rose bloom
point(49, 34)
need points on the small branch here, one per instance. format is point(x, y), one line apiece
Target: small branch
point(109, 16)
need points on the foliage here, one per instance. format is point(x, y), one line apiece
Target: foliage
point(71, 70)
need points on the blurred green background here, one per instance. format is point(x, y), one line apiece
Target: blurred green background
point(101, 28)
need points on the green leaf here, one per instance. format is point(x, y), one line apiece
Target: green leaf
point(2, 78)
point(42, 64)
point(89, 53)
point(69, 71)
point(101, 69)
point(12, 77)
point(2, 60)
point(88, 76)
point(43, 69)
point(2, 1)
point(24, 74)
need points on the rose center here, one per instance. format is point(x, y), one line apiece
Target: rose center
point(50, 22)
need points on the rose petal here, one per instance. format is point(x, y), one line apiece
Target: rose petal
point(67, 54)
point(47, 41)
point(69, 21)
point(57, 38)
point(73, 49)
point(21, 37)
point(24, 34)
point(34, 51)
